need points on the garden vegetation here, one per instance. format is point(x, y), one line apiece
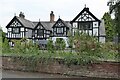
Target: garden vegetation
point(84, 49)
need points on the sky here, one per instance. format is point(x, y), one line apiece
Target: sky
point(40, 9)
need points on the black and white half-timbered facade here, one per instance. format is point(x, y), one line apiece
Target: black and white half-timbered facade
point(19, 28)
point(60, 30)
point(41, 31)
point(86, 22)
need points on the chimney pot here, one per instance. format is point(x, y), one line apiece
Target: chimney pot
point(52, 16)
point(21, 15)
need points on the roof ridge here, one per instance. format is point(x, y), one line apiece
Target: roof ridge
point(26, 21)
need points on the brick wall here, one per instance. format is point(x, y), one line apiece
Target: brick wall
point(101, 69)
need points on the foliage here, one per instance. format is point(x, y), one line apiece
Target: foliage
point(5, 46)
point(109, 27)
point(3, 36)
point(24, 46)
point(87, 50)
point(116, 9)
point(70, 40)
point(84, 42)
point(109, 51)
point(50, 46)
point(0, 44)
point(60, 44)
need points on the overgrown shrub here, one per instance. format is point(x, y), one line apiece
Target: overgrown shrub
point(60, 44)
point(50, 46)
point(5, 46)
point(85, 43)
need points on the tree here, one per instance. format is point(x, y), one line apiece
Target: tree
point(3, 36)
point(114, 6)
point(109, 27)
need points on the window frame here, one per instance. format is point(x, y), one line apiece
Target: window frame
point(83, 24)
point(59, 30)
point(13, 32)
point(40, 31)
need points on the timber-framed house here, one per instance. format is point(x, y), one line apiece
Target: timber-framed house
point(86, 22)
point(41, 31)
point(60, 28)
point(19, 28)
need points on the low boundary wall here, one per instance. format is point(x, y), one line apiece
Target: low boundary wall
point(101, 69)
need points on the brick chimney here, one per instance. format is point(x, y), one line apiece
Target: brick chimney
point(21, 15)
point(52, 16)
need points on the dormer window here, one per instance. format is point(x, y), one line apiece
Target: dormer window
point(15, 30)
point(40, 32)
point(59, 30)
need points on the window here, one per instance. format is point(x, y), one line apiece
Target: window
point(15, 30)
point(95, 31)
point(85, 26)
point(54, 29)
point(59, 30)
point(40, 32)
point(95, 24)
point(9, 29)
point(22, 29)
point(74, 25)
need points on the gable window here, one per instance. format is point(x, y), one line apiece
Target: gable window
point(85, 26)
point(40, 32)
point(15, 30)
point(59, 30)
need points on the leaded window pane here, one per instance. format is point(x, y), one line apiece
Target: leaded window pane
point(59, 30)
point(40, 32)
point(16, 30)
point(85, 26)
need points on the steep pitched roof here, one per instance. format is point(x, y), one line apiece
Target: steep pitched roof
point(46, 24)
point(66, 23)
point(87, 10)
point(31, 24)
point(26, 23)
